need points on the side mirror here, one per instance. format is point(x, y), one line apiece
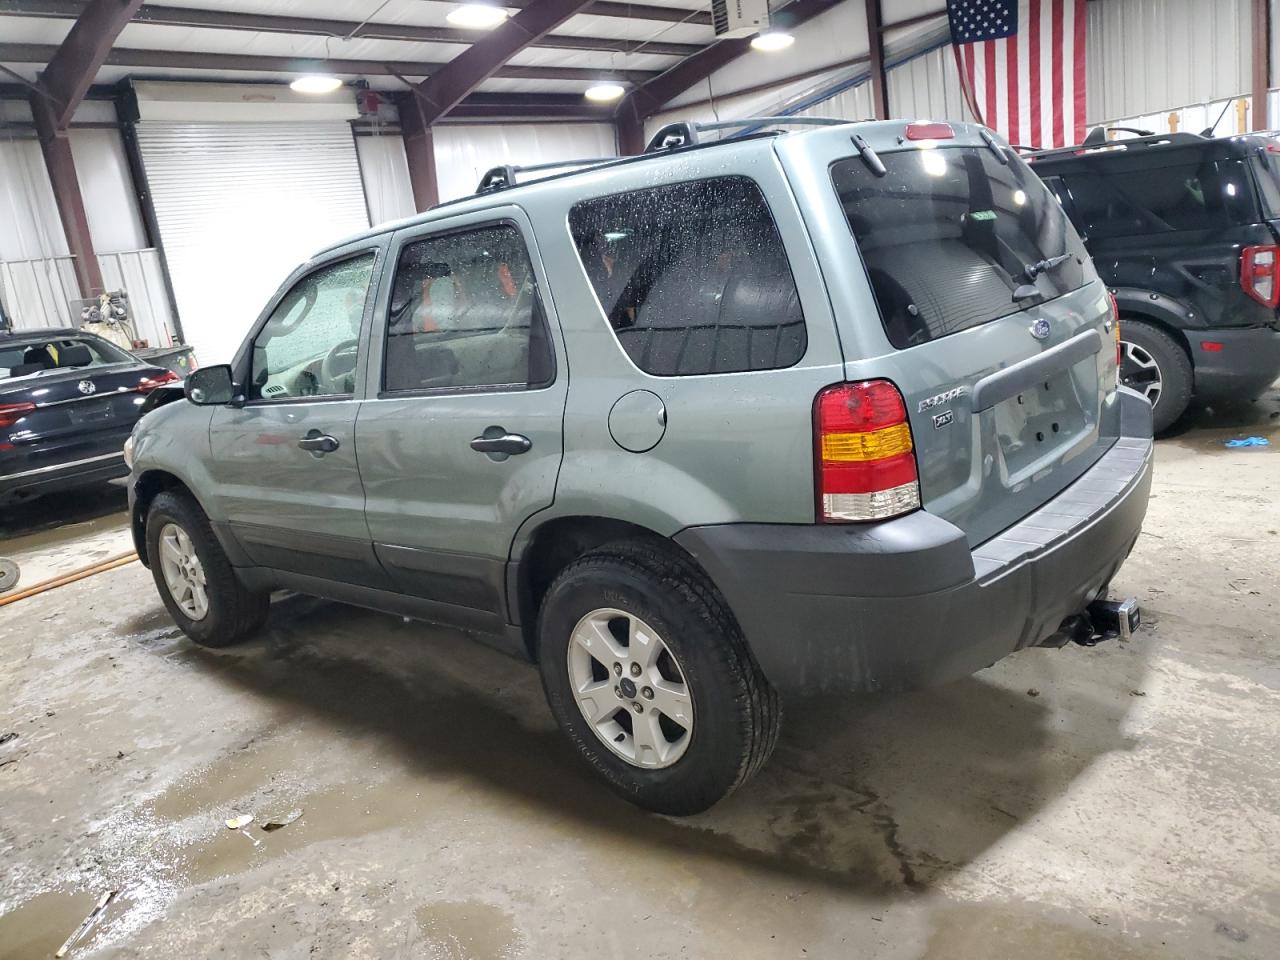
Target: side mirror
point(210, 386)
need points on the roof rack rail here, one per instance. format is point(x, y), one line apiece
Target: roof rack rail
point(504, 177)
point(686, 133)
point(1098, 140)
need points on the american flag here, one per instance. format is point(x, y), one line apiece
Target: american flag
point(1022, 67)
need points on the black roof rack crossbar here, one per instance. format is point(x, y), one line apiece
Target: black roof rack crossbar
point(500, 178)
point(685, 133)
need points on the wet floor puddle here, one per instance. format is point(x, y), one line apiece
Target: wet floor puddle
point(39, 926)
point(467, 931)
point(1008, 933)
point(335, 814)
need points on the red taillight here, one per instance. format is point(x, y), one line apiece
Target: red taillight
point(147, 384)
point(930, 131)
point(863, 454)
point(11, 413)
point(1258, 268)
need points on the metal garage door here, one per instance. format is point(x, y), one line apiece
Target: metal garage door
point(240, 205)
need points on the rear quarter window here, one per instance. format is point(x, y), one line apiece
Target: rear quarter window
point(692, 278)
point(949, 234)
point(1189, 195)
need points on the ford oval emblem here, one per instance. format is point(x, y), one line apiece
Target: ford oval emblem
point(1041, 329)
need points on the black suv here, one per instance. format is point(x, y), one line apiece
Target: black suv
point(1184, 230)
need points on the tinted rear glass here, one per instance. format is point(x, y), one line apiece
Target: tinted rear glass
point(1193, 194)
point(692, 277)
point(1268, 172)
point(947, 236)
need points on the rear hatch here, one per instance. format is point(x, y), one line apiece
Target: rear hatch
point(1001, 333)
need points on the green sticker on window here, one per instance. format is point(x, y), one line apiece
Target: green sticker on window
point(982, 215)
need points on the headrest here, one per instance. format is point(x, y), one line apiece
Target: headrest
point(76, 355)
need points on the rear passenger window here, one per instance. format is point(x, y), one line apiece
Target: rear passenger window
point(465, 312)
point(692, 277)
point(1163, 199)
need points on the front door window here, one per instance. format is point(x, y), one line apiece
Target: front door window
point(308, 346)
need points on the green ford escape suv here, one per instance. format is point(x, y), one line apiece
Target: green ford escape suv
point(831, 410)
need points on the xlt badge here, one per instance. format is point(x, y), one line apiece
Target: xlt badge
point(943, 419)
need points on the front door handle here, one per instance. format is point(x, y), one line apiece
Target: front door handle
point(318, 443)
point(499, 441)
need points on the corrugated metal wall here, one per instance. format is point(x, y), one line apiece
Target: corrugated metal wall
point(1145, 56)
point(37, 293)
point(927, 88)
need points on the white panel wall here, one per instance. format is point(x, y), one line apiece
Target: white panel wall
point(928, 88)
point(465, 151)
point(38, 293)
point(1146, 56)
point(29, 224)
point(106, 185)
point(385, 173)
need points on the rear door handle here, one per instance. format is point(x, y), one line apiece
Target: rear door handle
point(318, 443)
point(508, 443)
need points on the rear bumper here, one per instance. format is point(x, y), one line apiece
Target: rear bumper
point(906, 603)
point(62, 476)
point(1246, 365)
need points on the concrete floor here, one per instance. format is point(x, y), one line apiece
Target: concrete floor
point(1119, 802)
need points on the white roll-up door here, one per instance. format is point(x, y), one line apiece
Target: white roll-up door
point(239, 206)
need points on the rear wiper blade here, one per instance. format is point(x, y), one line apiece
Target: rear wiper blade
point(1033, 270)
point(869, 156)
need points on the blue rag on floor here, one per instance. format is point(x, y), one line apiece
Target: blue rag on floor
point(1249, 442)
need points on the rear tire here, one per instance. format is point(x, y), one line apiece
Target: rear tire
point(199, 587)
point(733, 714)
point(1155, 365)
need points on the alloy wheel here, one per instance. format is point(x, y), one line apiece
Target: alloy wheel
point(183, 572)
point(1140, 371)
point(630, 688)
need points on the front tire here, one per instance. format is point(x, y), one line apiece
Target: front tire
point(1155, 365)
point(197, 583)
point(649, 676)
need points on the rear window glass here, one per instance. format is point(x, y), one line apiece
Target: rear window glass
point(27, 359)
point(692, 277)
point(1193, 195)
point(1268, 169)
point(949, 234)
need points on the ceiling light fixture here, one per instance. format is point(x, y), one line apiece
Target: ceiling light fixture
point(316, 83)
point(771, 41)
point(476, 16)
point(605, 92)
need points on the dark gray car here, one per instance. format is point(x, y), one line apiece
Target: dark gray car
point(822, 411)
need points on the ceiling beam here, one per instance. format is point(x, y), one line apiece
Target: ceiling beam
point(485, 58)
point(74, 64)
point(633, 11)
point(322, 27)
point(252, 63)
point(562, 106)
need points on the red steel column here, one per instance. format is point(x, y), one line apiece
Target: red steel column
point(66, 191)
point(420, 152)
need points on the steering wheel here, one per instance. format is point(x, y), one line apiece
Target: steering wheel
point(339, 361)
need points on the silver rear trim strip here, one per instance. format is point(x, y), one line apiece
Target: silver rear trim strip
point(62, 466)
